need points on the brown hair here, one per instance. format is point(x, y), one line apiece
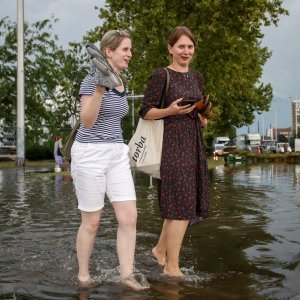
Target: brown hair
point(177, 32)
point(112, 39)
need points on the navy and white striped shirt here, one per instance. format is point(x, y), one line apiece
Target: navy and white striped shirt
point(107, 128)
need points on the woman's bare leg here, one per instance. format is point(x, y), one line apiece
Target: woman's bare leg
point(175, 230)
point(160, 250)
point(85, 241)
point(126, 215)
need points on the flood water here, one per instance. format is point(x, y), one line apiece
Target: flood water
point(249, 247)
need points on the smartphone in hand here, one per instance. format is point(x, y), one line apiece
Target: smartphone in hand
point(186, 101)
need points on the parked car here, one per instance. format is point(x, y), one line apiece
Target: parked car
point(280, 148)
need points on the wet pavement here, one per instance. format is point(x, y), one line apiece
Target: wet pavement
point(249, 247)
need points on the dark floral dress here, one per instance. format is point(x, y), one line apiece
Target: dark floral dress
point(183, 190)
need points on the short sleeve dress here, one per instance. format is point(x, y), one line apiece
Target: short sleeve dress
point(183, 190)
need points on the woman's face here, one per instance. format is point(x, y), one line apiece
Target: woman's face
point(120, 57)
point(182, 51)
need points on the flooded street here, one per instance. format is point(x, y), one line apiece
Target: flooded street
point(249, 247)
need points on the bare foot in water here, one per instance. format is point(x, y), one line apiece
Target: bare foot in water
point(161, 259)
point(173, 272)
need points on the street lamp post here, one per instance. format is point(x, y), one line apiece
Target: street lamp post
point(296, 125)
point(263, 126)
point(275, 129)
point(20, 160)
point(276, 126)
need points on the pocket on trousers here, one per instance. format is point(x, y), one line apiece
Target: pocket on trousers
point(78, 150)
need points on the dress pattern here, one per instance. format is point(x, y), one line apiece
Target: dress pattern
point(183, 190)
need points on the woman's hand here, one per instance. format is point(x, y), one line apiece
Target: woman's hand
point(203, 120)
point(90, 106)
point(175, 109)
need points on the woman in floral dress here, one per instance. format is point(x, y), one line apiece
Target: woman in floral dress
point(184, 186)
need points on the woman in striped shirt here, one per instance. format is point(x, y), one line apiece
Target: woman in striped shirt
point(100, 162)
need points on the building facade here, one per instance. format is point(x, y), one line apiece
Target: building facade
point(7, 138)
point(296, 117)
point(280, 134)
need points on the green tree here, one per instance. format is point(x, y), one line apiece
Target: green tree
point(52, 79)
point(41, 74)
point(229, 51)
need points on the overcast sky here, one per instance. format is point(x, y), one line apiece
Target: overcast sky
point(282, 70)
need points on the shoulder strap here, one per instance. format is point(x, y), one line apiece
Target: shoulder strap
point(166, 88)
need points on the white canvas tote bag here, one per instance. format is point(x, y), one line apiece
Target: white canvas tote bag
point(145, 147)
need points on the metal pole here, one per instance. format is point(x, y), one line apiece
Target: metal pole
point(20, 160)
point(296, 117)
point(263, 128)
point(132, 98)
point(151, 181)
point(133, 114)
point(276, 125)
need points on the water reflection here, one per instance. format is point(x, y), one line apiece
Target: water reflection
point(274, 195)
point(249, 247)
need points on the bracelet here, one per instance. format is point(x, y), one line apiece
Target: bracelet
point(203, 126)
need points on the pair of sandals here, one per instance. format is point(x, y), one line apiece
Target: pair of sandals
point(102, 71)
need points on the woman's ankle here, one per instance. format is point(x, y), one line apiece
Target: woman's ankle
point(83, 277)
point(125, 271)
point(173, 270)
point(160, 255)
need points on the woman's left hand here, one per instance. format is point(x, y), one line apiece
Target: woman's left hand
point(203, 120)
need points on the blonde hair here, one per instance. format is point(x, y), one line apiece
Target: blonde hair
point(112, 39)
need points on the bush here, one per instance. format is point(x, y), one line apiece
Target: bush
point(37, 152)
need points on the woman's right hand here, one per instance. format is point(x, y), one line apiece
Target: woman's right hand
point(175, 109)
point(90, 106)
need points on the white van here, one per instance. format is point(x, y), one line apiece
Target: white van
point(220, 140)
point(280, 148)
